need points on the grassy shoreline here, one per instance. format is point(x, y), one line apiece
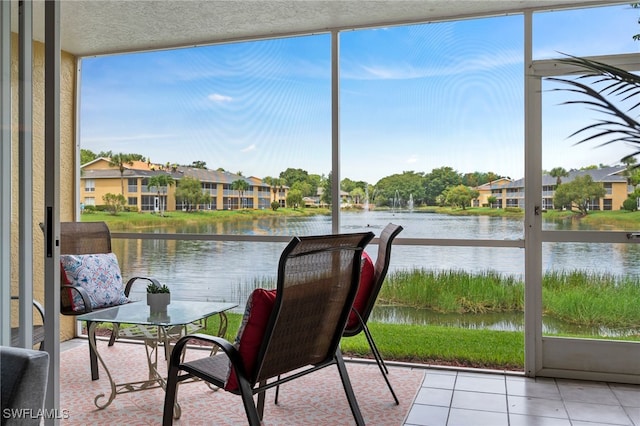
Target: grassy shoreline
point(579, 298)
point(618, 219)
point(136, 221)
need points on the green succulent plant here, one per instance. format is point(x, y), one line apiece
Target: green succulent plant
point(155, 287)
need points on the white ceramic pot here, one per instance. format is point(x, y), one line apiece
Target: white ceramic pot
point(158, 302)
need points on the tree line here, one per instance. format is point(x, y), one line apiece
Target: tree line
point(441, 186)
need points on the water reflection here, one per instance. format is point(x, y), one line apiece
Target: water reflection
point(492, 321)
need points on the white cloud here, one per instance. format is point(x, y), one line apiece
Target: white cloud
point(127, 138)
point(412, 159)
point(217, 97)
point(408, 71)
point(251, 147)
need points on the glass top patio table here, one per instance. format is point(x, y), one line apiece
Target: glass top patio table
point(179, 312)
point(169, 326)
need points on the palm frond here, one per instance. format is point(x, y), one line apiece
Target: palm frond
point(619, 84)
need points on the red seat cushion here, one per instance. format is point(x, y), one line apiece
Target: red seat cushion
point(367, 271)
point(254, 323)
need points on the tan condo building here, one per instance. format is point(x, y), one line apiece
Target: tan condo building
point(100, 177)
point(510, 193)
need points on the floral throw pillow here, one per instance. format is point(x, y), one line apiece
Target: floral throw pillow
point(98, 274)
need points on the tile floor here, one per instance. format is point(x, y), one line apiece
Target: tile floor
point(455, 398)
point(466, 398)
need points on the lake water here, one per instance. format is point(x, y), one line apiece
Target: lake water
point(212, 270)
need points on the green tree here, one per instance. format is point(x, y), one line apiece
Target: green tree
point(491, 200)
point(305, 188)
point(578, 192)
point(189, 192)
point(471, 179)
point(490, 177)
point(437, 181)
point(357, 195)
point(630, 204)
point(115, 202)
point(347, 185)
point(241, 186)
point(326, 190)
point(459, 196)
point(158, 182)
point(314, 183)
point(291, 176)
point(121, 161)
point(86, 156)
point(198, 164)
point(275, 183)
point(402, 186)
point(630, 166)
point(294, 199)
point(558, 173)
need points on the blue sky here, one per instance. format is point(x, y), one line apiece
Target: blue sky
point(412, 98)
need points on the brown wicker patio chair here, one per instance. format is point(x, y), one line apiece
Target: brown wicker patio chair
point(300, 329)
point(366, 299)
point(80, 238)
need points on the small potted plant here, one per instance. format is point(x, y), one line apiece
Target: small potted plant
point(158, 296)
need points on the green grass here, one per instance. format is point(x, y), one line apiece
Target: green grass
point(426, 344)
point(580, 298)
point(135, 221)
point(441, 345)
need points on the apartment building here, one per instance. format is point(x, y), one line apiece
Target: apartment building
point(100, 177)
point(510, 193)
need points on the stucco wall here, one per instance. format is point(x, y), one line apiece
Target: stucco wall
point(68, 67)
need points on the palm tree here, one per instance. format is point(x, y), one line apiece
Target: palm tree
point(630, 164)
point(120, 160)
point(558, 173)
point(276, 184)
point(240, 185)
point(160, 181)
point(617, 126)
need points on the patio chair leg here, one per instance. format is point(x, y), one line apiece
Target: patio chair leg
point(381, 365)
point(275, 400)
point(249, 404)
point(261, 398)
point(348, 389)
point(170, 396)
point(374, 348)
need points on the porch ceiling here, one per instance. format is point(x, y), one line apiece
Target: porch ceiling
point(94, 27)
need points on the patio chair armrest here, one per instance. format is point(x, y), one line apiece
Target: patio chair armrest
point(127, 288)
point(85, 299)
point(36, 305)
point(230, 351)
point(39, 308)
